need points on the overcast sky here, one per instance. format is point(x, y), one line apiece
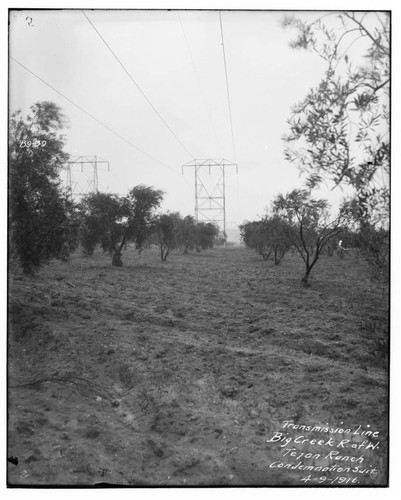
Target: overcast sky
point(176, 59)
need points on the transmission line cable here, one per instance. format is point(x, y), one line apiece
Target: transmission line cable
point(214, 134)
point(227, 86)
point(137, 86)
point(95, 119)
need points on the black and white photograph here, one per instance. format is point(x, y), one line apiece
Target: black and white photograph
point(198, 253)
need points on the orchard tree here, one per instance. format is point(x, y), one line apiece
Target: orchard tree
point(340, 130)
point(113, 220)
point(309, 218)
point(271, 236)
point(90, 228)
point(372, 242)
point(245, 230)
point(280, 235)
point(207, 234)
point(166, 233)
point(43, 222)
point(102, 222)
point(254, 235)
point(187, 231)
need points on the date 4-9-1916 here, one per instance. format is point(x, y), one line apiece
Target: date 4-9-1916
point(328, 481)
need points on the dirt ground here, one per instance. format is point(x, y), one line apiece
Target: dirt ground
point(179, 373)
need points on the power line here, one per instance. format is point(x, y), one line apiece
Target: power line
point(198, 79)
point(137, 86)
point(228, 90)
point(95, 119)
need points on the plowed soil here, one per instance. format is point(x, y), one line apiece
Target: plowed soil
point(178, 373)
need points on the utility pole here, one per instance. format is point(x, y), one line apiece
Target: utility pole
point(89, 183)
point(210, 197)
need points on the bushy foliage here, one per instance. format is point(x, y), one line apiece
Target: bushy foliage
point(172, 231)
point(271, 236)
point(253, 235)
point(112, 221)
point(372, 241)
point(89, 233)
point(166, 233)
point(375, 246)
point(43, 222)
point(206, 235)
point(187, 233)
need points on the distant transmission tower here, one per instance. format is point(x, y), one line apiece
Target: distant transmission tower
point(88, 183)
point(210, 197)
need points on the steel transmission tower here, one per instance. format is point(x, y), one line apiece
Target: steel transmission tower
point(210, 197)
point(89, 183)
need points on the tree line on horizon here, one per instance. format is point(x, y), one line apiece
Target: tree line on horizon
point(112, 221)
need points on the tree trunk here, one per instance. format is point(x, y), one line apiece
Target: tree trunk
point(278, 257)
point(305, 279)
point(166, 254)
point(117, 259)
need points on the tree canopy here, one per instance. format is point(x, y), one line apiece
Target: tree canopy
point(310, 219)
point(340, 130)
point(166, 233)
point(43, 222)
point(270, 236)
point(187, 233)
point(113, 220)
point(206, 235)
